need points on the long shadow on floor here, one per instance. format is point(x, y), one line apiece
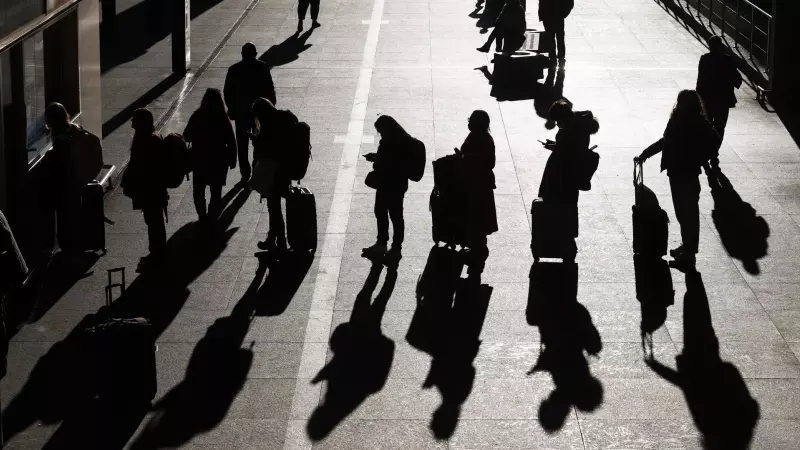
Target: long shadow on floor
point(566, 330)
point(287, 51)
point(63, 385)
point(362, 357)
point(655, 294)
point(219, 364)
point(542, 94)
point(721, 405)
point(447, 325)
point(742, 231)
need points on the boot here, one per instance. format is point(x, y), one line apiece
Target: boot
point(376, 251)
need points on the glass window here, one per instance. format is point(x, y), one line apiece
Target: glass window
point(33, 60)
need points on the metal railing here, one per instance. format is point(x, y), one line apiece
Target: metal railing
point(746, 27)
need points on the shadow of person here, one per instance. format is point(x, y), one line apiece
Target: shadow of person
point(655, 293)
point(721, 405)
point(156, 295)
point(287, 51)
point(552, 90)
point(742, 231)
point(362, 357)
point(566, 330)
point(280, 287)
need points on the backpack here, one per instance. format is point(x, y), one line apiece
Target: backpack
point(176, 160)
point(86, 152)
point(416, 161)
point(298, 158)
point(588, 166)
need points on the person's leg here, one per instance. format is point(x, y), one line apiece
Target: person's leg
point(549, 38)
point(315, 13)
point(721, 120)
point(215, 204)
point(302, 7)
point(559, 36)
point(243, 127)
point(277, 227)
point(685, 197)
point(199, 196)
point(156, 230)
point(394, 205)
point(488, 45)
point(381, 210)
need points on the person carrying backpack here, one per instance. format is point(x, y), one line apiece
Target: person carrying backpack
point(213, 152)
point(143, 182)
point(479, 159)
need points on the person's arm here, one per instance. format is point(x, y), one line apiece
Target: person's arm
point(736, 77)
point(188, 132)
point(654, 148)
point(269, 86)
point(228, 91)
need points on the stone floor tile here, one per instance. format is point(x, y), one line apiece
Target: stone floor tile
point(639, 434)
point(381, 434)
point(639, 399)
point(514, 434)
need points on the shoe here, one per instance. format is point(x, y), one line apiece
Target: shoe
point(393, 256)
point(299, 26)
point(684, 261)
point(483, 49)
point(315, 24)
point(675, 252)
point(376, 251)
point(267, 244)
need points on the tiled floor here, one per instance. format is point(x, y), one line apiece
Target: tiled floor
point(228, 383)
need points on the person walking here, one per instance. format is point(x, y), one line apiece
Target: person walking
point(391, 184)
point(213, 150)
point(689, 142)
point(479, 160)
point(509, 30)
point(564, 176)
point(63, 189)
point(552, 14)
point(271, 146)
point(717, 77)
point(246, 81)
point(302, 7)
point(143, 182)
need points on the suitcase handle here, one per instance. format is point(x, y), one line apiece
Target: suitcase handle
point(638, 175)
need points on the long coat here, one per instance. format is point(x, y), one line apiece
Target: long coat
point(213, 146)
point(479, 162)
point(143, 180)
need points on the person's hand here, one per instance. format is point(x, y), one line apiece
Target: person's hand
point(371, 157)
point(458, 152)
point(549, 144)
point(639, 159)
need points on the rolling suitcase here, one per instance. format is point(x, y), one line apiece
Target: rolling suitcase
point(301, 219)
point(93, 219)
point(650, 221)
point(550, 237)
point(446, 218)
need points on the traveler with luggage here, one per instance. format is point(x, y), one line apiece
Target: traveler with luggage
point(246, 81)
point(717, 76)
point(144, 182)
point(213, 151)
point(569, 169)
point(552, 14)
point(509, 30)
point(390, 178)
point(481, 213)
point(689, 142)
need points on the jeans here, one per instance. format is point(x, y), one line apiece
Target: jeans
point(243, 127)
point(302, 7)
point(685, 197)
point(199, 194)
point(156, 229)
point(554, 31)
point(390, 204)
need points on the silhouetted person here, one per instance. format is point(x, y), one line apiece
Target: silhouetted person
point(246, 81)
point(213, 152)
point(392, 184)
point(721, 405)
point(717, 77)
point(563, 178)
point(273, 142)
point(302, 7)
point(552, 14)
point(689, 142)
point(479, 160)
point(509, 30)
point(143, 182)
point(63, 189)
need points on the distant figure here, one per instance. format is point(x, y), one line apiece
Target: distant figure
point(392, 184)
point(213, 150)
point(274, 138)
point(563, 178)
point(509, 30)
point(717, 76)
point(302, 7)
point(143, 182)
point(552, 14)
point(689, 142)
point(246, 81)
point(479, 161)
point(64, 189)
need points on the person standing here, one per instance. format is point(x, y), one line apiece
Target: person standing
point(391, 186)
point(213, 150)
point(688, 143)
point(246, 81)
point(479, 160)
point(302, 7)
point(552, 14)
point(717, 77)
point(143, 182)
point(509, 30)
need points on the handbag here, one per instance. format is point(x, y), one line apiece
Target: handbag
point(371, 180)
point(263, 178)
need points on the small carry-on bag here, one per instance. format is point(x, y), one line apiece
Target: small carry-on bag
point(301, 219)
point(93, 218)
point(447, 217)
point(550, 237)
point(650, 221)
point(86, 151)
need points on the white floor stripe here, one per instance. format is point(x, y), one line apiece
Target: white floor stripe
point(306, 396)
